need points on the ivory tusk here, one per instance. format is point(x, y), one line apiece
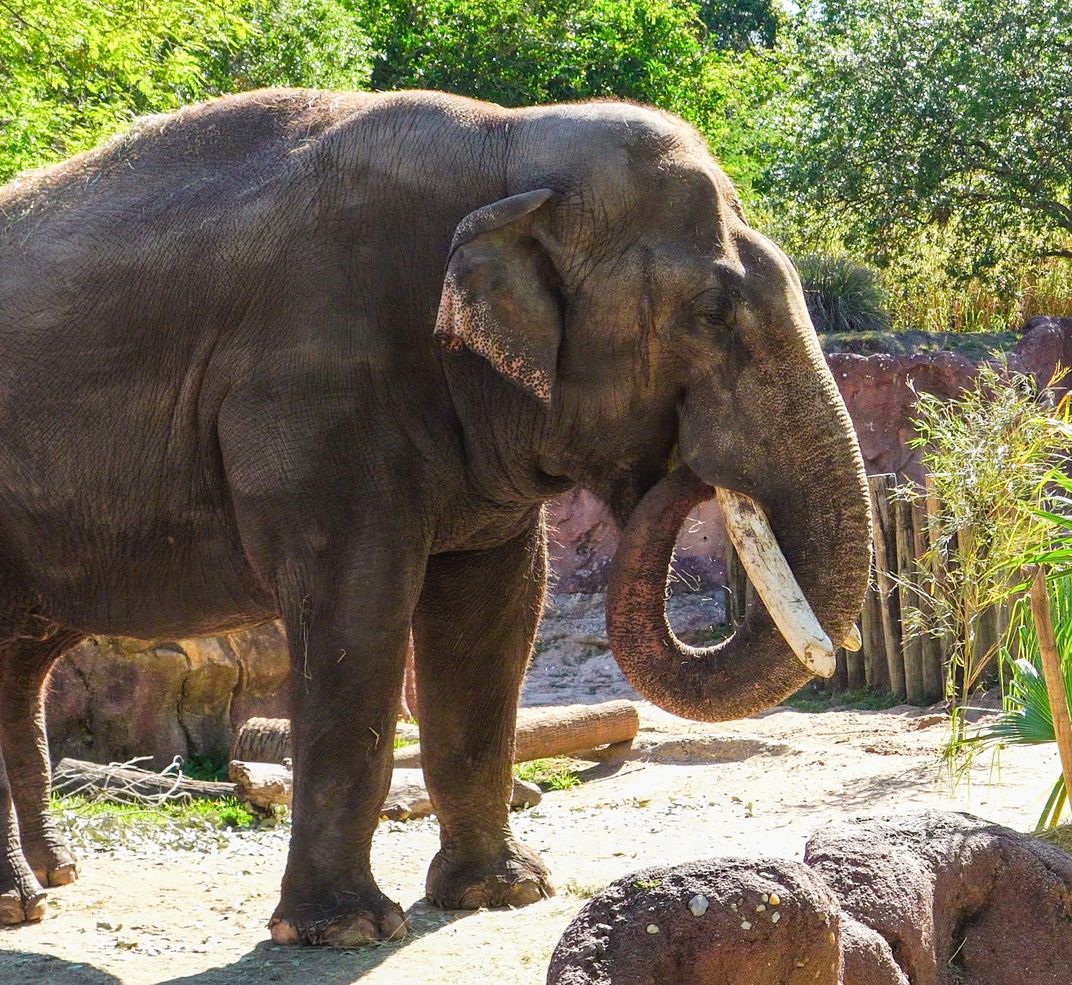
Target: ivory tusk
point(854, 641)
point(775, 582)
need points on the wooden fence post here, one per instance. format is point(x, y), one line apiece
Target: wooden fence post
point(885, 545)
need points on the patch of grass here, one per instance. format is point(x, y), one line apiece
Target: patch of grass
point(1060, 836)
point(401, 741)
point(584, 890)
point(548, 774)
point(228, 813)
point(864, 699)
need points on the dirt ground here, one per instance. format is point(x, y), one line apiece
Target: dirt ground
point(146, 914)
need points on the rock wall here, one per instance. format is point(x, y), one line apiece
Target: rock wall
point(113, 699)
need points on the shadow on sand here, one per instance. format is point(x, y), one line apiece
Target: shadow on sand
point(266, 962)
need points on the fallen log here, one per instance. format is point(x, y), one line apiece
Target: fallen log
point(266, 784)
point(541, 733)
point(129, 785)
point(559, 731)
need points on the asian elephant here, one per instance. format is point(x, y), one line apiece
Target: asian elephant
point(323, 356)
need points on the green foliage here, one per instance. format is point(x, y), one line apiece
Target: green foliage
point(199, 767)
point(741, 24)
point(842, 295)
point(75, 71)
point(296, 43)
point(952, 116)
point(991, 455)
point(548, 774)
point(1026, 718)
point(227, 813)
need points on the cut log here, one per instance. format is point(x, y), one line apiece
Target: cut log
point(267, 785)
point(264, 785)
point(559, 731)
point(408, 797)
point(262, 740)
point(126, 784)
point(541, 734)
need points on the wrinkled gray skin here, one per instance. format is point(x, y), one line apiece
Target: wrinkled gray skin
point(244, 373)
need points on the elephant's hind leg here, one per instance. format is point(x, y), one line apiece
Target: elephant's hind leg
point(24, 665)
point(473, 632)
point(21, 897)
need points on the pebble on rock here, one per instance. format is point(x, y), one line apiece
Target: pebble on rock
point(698, 905)
point(653, 928)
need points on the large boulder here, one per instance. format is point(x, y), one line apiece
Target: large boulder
point(929, 899)
point(720, 922)
point(959, 901)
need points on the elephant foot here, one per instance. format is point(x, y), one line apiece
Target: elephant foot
point(345, 919)
point(52, 862)
point(22, 900)
point(511, 875)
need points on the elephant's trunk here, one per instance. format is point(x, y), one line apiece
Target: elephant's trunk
point(822, 530)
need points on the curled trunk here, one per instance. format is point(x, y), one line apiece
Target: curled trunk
point(823, 535)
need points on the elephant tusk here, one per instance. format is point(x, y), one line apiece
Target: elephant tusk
point(775, 583)
point(854, 641)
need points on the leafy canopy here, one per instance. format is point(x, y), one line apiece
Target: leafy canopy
point(951, 115)
point(73, 71)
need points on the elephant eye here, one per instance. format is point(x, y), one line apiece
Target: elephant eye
point(715, 317)
point(714, 310)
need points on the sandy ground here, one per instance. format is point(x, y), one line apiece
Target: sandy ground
point(688, 791)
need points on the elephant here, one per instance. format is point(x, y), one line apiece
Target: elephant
point(323, 357)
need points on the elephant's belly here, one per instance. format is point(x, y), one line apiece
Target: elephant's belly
point(151, 581)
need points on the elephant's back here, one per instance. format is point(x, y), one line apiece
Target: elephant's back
point(228, 144)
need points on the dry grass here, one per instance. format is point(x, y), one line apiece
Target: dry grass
point(931, 301)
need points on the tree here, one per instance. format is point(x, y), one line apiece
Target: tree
point(75, 71)
point(931, 117)
point(741, 24)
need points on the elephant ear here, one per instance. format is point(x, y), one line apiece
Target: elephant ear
point(499, 294)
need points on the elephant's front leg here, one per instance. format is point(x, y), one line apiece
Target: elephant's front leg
point(473, 633)
point(348, 636)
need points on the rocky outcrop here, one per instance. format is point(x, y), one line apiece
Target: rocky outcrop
point(931, 899)
point(112, 699)
point(956, 900)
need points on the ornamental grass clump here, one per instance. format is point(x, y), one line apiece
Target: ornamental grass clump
point(991, 455)
point(842, 296)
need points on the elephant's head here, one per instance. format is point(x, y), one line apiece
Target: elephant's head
point(622, 290)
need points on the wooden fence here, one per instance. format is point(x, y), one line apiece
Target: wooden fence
point(911, 666)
